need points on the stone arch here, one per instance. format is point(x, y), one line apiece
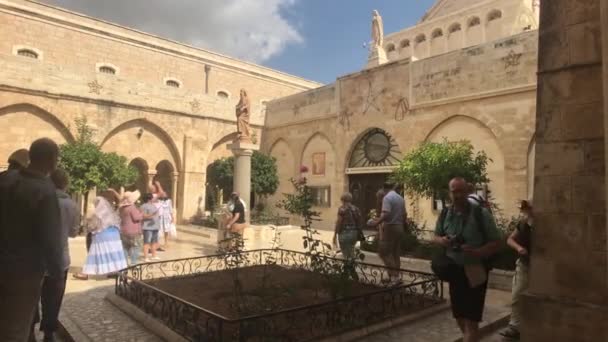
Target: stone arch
point(307, 143)
point(142, 168)
point(482, 138)
point(165, 175)
point(33, 123)
point(144, 139)
point(356, 141)
point(286, 165)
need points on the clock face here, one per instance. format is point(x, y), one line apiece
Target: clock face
point(377, 147)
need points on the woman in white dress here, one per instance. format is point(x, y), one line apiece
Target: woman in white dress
point(106, 254)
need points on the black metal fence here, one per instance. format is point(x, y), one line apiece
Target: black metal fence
point(418, 291)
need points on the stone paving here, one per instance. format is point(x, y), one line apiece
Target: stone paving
point(89, 317)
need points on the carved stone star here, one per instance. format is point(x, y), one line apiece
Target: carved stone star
point(512, 59)
point(195, 105)
point(95, 87)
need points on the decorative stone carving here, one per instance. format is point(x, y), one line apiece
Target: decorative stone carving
point(243, 113)
point(377, 30)
point(95, 87)
point(377, 54)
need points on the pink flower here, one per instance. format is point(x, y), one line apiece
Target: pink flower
point(303, 169)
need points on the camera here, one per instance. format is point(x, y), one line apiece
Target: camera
point(456, 242)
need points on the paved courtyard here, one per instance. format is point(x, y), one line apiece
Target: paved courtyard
point(89, 317)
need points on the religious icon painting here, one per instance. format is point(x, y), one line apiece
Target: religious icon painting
point(318, 164)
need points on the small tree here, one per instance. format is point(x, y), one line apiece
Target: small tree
point(427, 170)
point(264, 175)
point(89, 167)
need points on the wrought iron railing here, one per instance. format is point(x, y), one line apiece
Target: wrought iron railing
point(418, 290)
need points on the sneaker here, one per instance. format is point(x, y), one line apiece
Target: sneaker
point(147, 260)
point(510, 332)
point(160, 249)
point(155, 258)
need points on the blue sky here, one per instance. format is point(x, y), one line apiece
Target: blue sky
point(315, 39)
point(334, 31)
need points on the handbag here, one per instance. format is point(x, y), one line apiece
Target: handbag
point(443, 266)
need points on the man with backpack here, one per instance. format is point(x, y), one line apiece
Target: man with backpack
point(470, 238)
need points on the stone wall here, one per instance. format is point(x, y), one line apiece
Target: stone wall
point(177, 130)
point(486, 97)
point(568, 295)
point(449, 26)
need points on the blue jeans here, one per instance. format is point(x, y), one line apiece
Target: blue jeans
point(150, 236)
point(347, 240)
point(132, 246)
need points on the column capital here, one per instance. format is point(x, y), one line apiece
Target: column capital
point(240, 148)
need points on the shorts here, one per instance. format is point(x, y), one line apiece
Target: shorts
point(150, 236)
point(467, 302)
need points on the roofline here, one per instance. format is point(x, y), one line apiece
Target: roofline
point(234, 63)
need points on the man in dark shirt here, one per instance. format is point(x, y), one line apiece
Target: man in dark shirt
point(237, 222)
point(519, 240)
point(30, 239)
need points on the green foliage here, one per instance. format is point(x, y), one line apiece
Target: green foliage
point(89, 167)
point(264, 175)
point(339, 275)
point(427, 170)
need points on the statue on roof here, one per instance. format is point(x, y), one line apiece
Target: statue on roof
point(377, 30)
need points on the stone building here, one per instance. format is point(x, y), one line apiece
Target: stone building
point(568, 295)
point(472, 76)
point(167, 107)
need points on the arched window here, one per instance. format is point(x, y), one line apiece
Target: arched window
point(455, 27)
point(437, 33)
point(223, 95)
point(27, 53)
point(475, 21)
point(172, 83)
point(420, 38)
point(405, 43)
point(494, 15)
point(104, 69)
point(390, 47)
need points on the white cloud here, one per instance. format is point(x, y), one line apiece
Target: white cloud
point(254, 30)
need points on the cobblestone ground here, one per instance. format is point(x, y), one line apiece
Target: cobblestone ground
point(441, 327)
point(89, 317)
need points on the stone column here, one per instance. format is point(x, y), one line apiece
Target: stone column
point(151, 175)
point(174, 189)
point(567, 299)
point(242, 170)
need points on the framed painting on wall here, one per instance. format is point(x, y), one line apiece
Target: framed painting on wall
point(318, 164)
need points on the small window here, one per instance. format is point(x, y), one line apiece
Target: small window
point(107, 70)
point(475, 21)
point(405, 43)
point(494, 15)
point(420, 38)
point(321, 196)
point(455, 27)
point(27, 53)
point(223, 95)
point(437, 33)
point(172, 83)
point(390, 47)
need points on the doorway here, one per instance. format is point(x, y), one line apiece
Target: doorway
point(364, 187)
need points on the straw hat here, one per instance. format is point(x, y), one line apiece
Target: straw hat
point(128, 197)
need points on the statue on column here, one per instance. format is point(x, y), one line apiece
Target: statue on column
point(377, 30)
point(377, 55)
point(243, 110)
